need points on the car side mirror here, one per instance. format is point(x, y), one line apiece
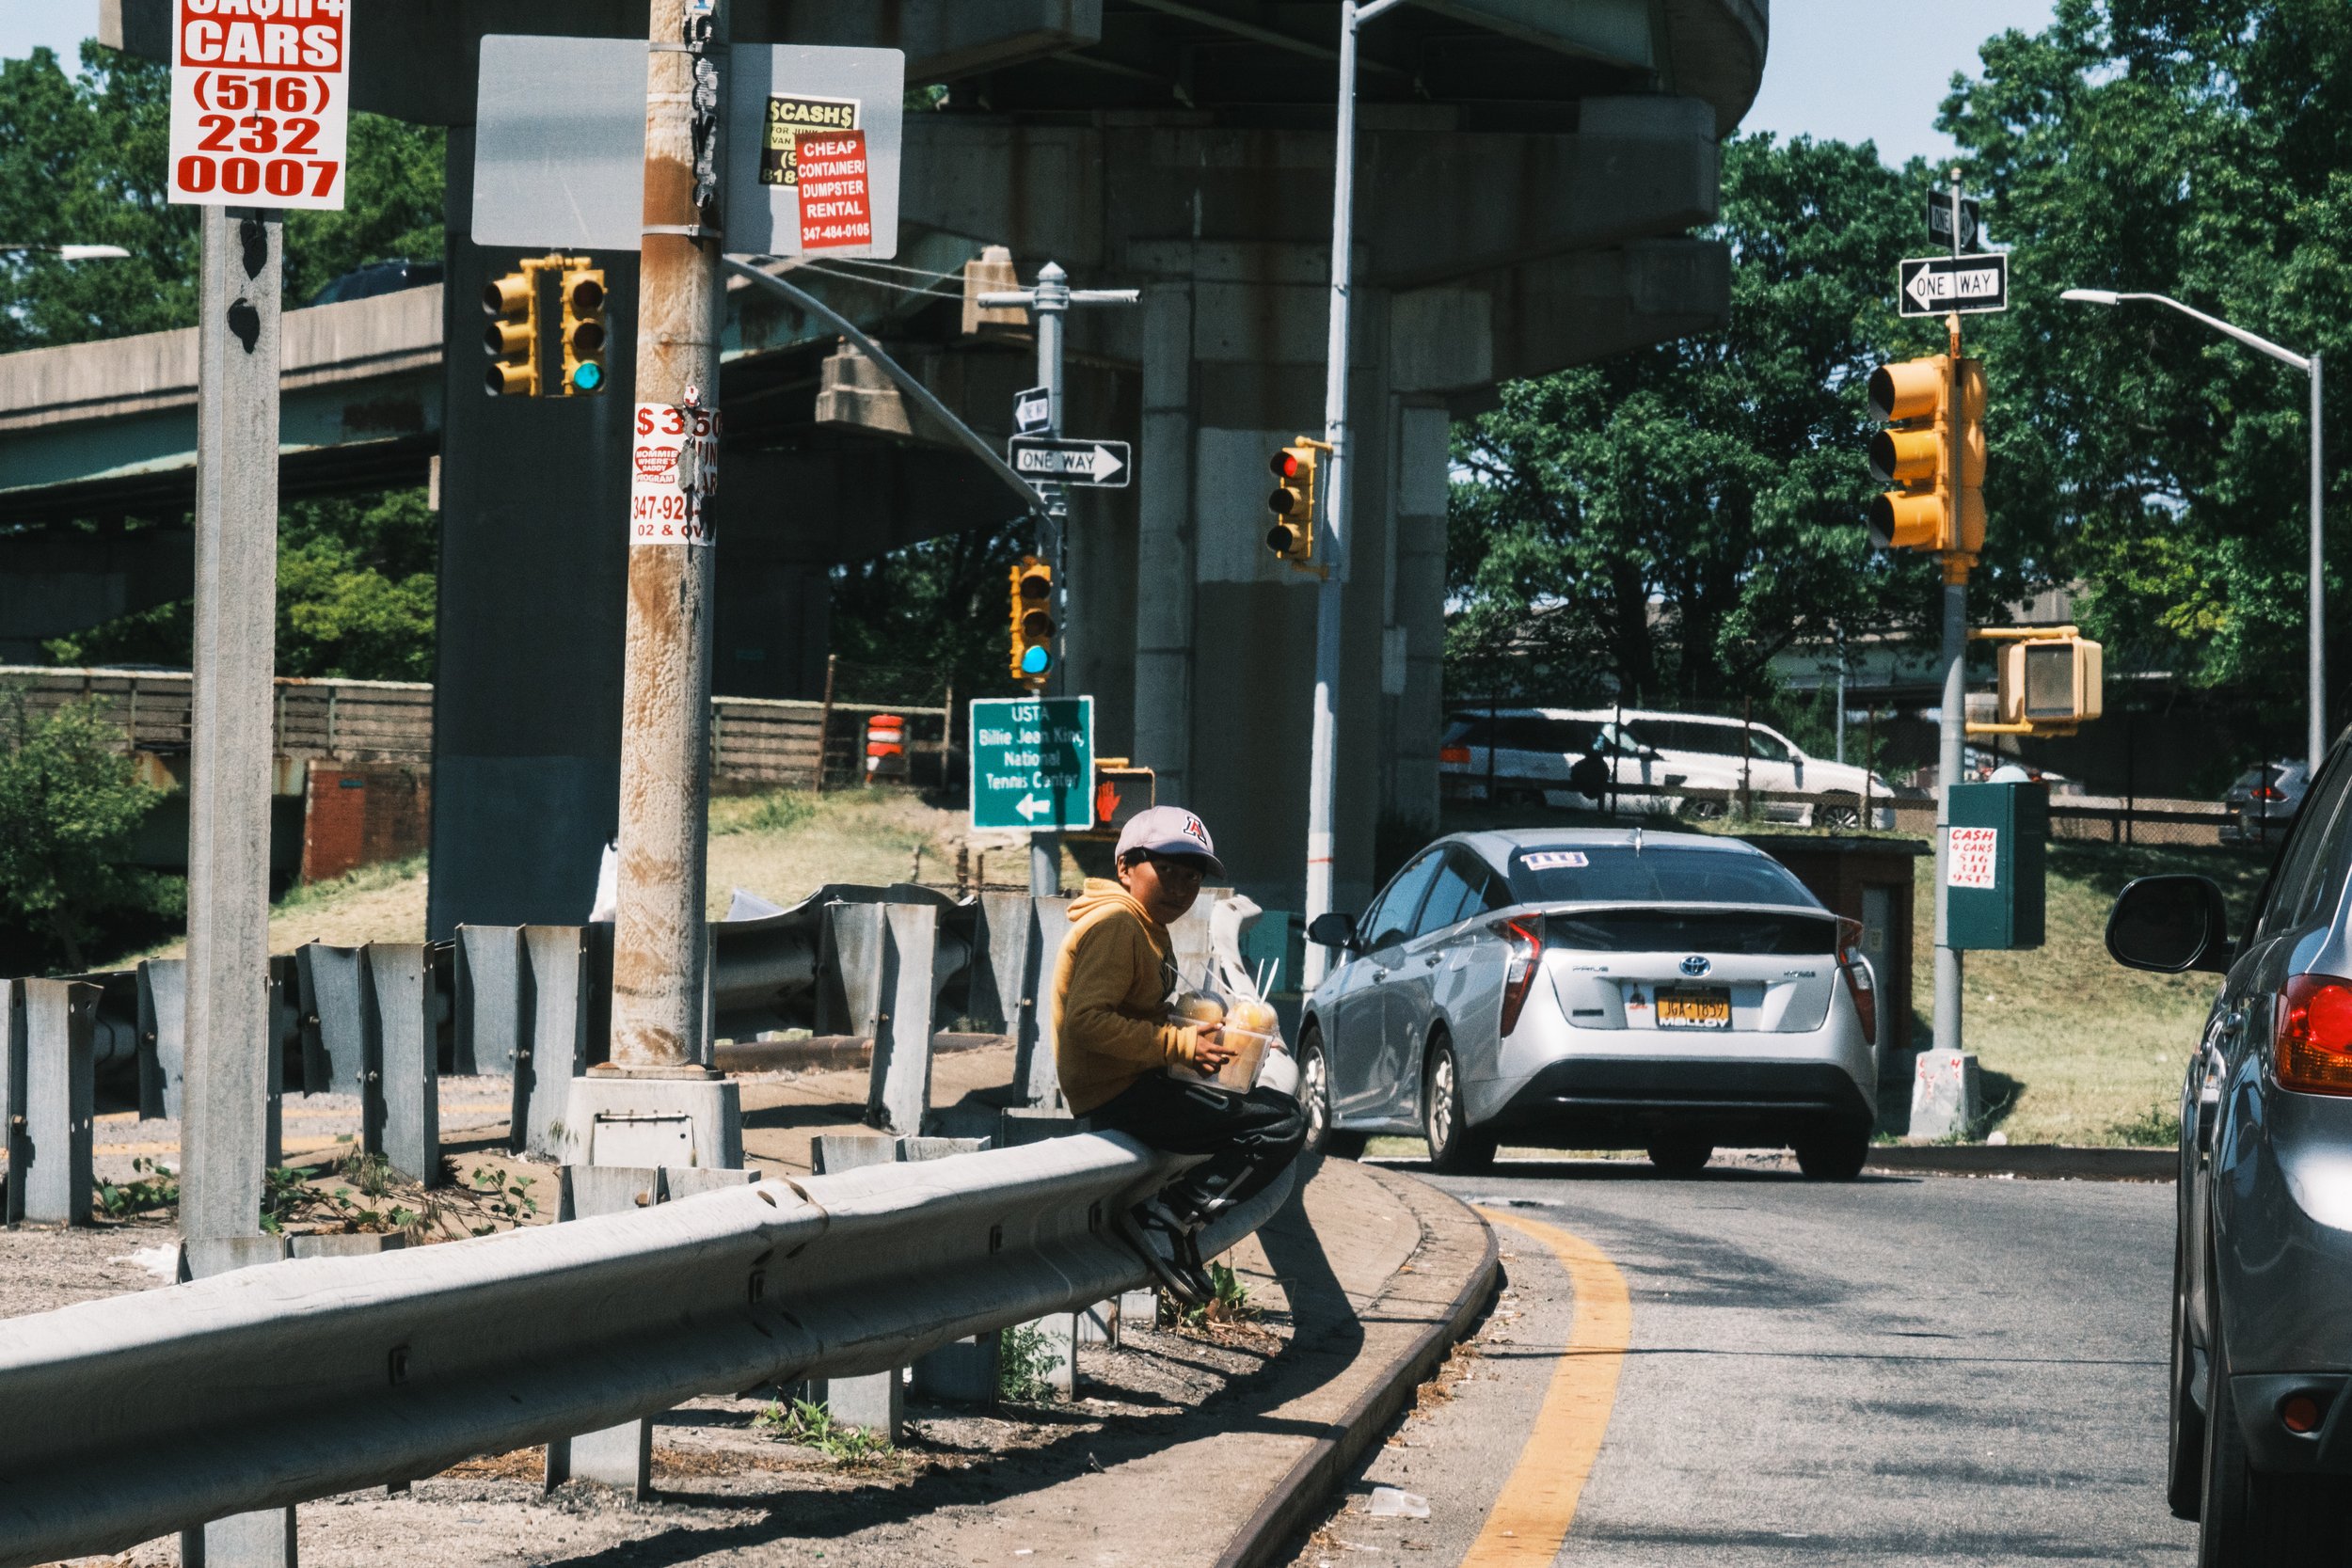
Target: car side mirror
point(2170, 925)
point(1332, 929)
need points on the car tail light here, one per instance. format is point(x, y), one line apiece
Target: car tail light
point(2266, 793)
point(2314, 1050)
point(1525, 938)
point(1459, 754)
point(1857, 970)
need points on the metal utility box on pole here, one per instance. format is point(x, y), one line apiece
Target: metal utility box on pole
point(1049, 302)
point(2000, 836)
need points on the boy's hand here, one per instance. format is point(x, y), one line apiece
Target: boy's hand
point(1209, 1051)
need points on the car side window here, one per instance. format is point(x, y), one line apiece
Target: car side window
point(1390, 921)
point(2310, 869)
point(1765, 748)
point(1454, 886)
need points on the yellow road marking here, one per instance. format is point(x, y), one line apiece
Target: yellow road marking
point(1531, 1518)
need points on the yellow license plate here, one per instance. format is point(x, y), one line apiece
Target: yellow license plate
point(1695, 1009)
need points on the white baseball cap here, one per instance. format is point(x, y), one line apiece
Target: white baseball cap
point(1169, 830)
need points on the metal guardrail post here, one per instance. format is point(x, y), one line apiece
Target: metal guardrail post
point(1000, 982)
point(489, 1000)
point(899, 1091)
point(848, 970)
point(334, 1018)
point(61, 1118)
point(1041, 1083)
point(556, 1013)
point(407, 1120)
point(12, 1123)
point(162, 1036)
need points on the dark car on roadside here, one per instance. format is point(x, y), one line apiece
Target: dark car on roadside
point(2264, 803)
point(2260, 1366)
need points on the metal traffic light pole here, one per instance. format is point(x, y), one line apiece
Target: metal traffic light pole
point(1951, 739)
point(1331, 597)
point(1048, 303)
point(659, 942)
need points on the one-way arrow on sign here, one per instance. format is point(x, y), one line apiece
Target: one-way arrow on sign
point(1102, 464)
point(1949, 285)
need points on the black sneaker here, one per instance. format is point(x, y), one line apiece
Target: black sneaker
point(1187, 1286)
point(1189, 1264)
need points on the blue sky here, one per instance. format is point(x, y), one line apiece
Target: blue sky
point(1848, 68)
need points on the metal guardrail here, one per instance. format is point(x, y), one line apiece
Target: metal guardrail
point(280, 1384)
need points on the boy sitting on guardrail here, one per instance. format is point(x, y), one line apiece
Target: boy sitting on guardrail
point(1113, 1048)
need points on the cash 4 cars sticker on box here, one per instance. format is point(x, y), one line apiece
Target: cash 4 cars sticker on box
point(673, 471)
point(1975, 862)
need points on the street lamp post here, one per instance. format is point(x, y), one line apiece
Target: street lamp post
point(1322, 757)
point(2316, 721)
point(71, 252)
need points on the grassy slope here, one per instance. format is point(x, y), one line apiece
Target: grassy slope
point(2074, 1047)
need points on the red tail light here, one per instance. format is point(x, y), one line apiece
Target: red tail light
point(2266, 793)
point(1851, 965)
point(1459, 754)
point(2314, 1050)
point(1525, 936)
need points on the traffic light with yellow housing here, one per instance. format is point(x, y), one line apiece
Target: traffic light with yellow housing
point(2052, 684)
point(1032, 622)
point(1933, 450)
point(512, 339)
point(584, 335)
point(1292, 503)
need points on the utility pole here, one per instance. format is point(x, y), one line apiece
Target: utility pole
point(1953, 730)
point(1323, 760)
point(1048, 303)
point(658, 939)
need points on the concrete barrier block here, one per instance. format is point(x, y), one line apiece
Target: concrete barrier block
point(679, 1184)
point(963, 1372)
point(899, 1088)
point(584, 1192)
point(490, 1019)
point(405, 1118)
point(653, 1121)
point(911, 1149)
point(876, 1402)
point(1058, 1343)
point(344, 1246)
point(1098, 1325)
point(1139, 1309)
point(60, 1115)
point(834, 1153)
point(1945, 1096)
point(1018, 1126)
point(162, 1036)
point(202, 1257)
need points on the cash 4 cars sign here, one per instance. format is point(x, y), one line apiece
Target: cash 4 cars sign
point(258, 101)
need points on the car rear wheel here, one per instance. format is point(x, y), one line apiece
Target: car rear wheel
point(1834, 1156)
point(1454, 1148)
point(1838, 810)
point(1314, 1101)
point(2184, 1470)
point(1680, 1156)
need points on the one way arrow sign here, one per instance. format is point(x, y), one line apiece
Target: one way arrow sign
point(1952, 285)
point(1100, 465)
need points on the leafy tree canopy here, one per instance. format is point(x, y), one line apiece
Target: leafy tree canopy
point(1664, 522)
point(69, 804)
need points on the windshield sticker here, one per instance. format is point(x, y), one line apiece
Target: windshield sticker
point(1554, 860)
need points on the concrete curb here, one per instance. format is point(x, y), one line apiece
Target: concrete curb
point(1291, 1508)
point(2029, 1162)
point(827, 1052)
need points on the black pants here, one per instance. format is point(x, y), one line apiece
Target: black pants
point(1249, 1139)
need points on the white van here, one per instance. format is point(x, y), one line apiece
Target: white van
point(1530, 752)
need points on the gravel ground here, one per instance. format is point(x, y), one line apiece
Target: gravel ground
point(40, 1269)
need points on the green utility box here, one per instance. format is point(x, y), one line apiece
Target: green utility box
point(2000, 838)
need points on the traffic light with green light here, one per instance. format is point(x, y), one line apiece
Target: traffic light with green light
point(1933, 450)
point(1292, 503)
point(584, 335)
point(1032, 622)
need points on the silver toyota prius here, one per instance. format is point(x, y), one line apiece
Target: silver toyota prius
point(1672, 992)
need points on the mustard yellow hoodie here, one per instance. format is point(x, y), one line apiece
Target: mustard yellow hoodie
point(1110, 992)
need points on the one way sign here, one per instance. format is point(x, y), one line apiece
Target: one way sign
point(1947, 285)
point(1102, 464)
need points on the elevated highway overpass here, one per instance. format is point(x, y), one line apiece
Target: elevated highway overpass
point(1532, 172)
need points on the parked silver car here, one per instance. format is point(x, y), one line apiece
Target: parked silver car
point(2262, 1350)
point(1596, 989)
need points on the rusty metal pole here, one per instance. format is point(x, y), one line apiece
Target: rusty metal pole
point(659, 949)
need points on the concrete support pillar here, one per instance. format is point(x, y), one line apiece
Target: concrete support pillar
point(1413, 655)
point(264, 1539)
point(1164, 543)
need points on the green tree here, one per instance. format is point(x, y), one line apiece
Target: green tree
point(1664, 522)
point(938, 606)
point(2198, 149)
point(69, 804)
point(83, 158)
point(354, 597)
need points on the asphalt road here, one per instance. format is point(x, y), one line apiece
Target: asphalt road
point(1901, 1370)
